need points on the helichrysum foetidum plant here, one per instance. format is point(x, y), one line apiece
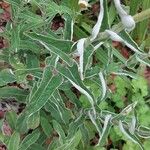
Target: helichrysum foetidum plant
point(65, 90)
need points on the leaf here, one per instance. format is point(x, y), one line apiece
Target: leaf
point(105, 22)
point(133, 138)
point(142, 27)
point(72, 75)
point(60, 9)
point(16, 2)
point(133, 125)
point(143, 132)
point(36, 146)
point(103, 83)
point(32, 61)
point(97, 26)
point(68, 31)
point(71, 143)
point(57, 127)
point(14, 141)
point(21, 123)
point(47, 87)
point(113, 13)
point(63, 45)
point(127, 20)
point(126, 73)
point(30, 17)
point(15, 39)
point(58, 52)
point(56, 107)
point(73, 5)
point(95, 122)
point(22, 73)
point(85, 135)
point(74, 142)
point(46, 126)
point(29, 140)
point(72, 97)
point(126, 39)
point(33, 121)
point(145, 61)
point(74, 125)
point(30, 45)
point(79, 33)
point(125, 111)
point(105, 131)
point(17, 93)
point(80, 50)
point(11, 117)
point(6, 76)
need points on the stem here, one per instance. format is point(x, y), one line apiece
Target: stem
point(119, 27)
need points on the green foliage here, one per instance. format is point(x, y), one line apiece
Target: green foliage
point(79, 93)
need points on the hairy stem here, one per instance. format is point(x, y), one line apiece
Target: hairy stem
point(119, 27)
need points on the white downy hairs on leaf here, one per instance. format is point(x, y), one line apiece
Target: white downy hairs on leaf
point(133, 138)
point(93, 119)
point(106, 124)
point(104, 88)
point(91, 100)
point(98, 45)
point(80, 51)
point(132, 125)
point(124, 132)
point(115, 37)
point(127, 20)
point(125, 74)
point(147, 132)
point(97, 26)
point(129, 108)
point(142, 61)
point(10, 70)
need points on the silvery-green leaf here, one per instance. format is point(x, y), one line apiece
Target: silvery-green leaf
point(97, 26)
point(14, 92)
point(123, 38)
point(56, 107)
point(68, 33)
point(95, 122)
point(6, 76)
point(57, 127)
point(143, 132)
point(132, 125)
point(74, 126)
point(29, 140)
point(58, 52)
point(63, 45)
point(131, 137)
point(47, 87)
point(105, 131)
point(119, 8)
point(126, 73)
point(126, 19)
point(14, 141)
point(72, 75)
point(33, 121)
point(145, 61)
point(104, 86)
point(125, 111)
point(80, 50)
point(46, 126)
